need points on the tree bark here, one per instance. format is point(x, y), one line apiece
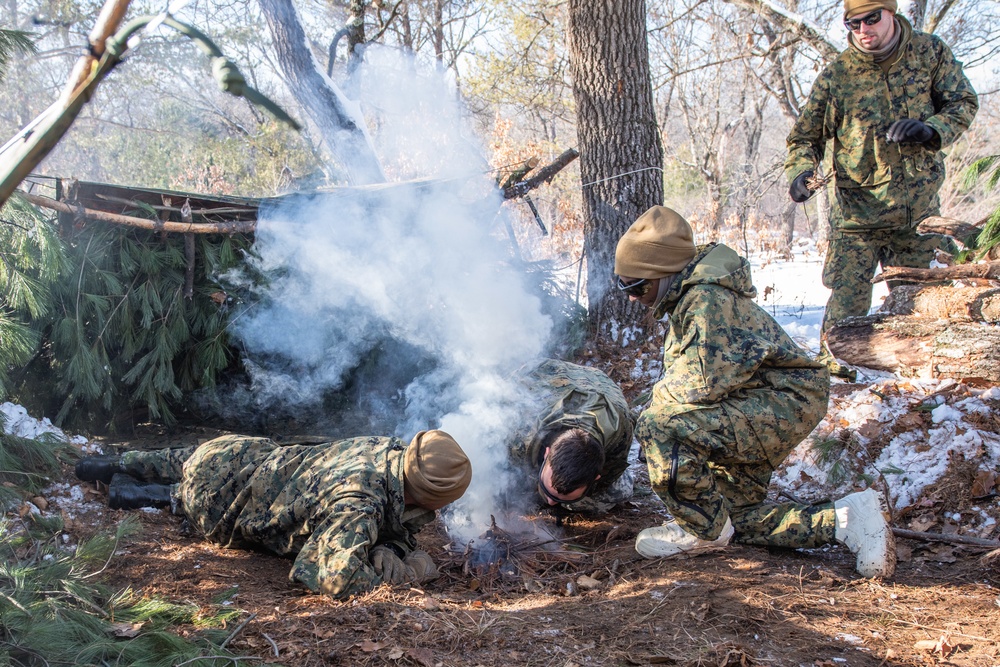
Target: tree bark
point(973, 304)
point(961, 231)
point(338, 121)
point(621, 157)
point(984, 270)
point(919, 346)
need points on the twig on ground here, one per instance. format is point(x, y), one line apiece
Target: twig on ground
point(950, 632)
point(273, 644)
point(950, 539)
point(239, 627)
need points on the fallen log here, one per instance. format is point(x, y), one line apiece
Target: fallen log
point(982, 271)
point(913, 346)
point(957, 229)
point(975, 304)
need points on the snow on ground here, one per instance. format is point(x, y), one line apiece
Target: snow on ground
point(70, 500)
point(880, 424)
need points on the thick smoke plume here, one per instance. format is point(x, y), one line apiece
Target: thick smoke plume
point(397, 297)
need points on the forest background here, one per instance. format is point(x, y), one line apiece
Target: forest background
point(728, 79)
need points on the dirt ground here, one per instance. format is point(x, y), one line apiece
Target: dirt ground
point(587, 598)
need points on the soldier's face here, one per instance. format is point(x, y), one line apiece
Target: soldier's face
point(874, 36)
point(548, 493)
point(648, 298)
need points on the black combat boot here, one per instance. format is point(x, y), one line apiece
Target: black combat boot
point(98, 468)
point(127, 493)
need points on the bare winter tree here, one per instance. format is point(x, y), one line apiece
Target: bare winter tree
point(337, 120)
point(621, 157)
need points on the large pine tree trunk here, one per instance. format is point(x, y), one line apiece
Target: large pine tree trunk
point(621, 157)
point(338, 121)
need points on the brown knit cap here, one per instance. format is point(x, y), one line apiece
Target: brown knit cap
point(853, 8)
point(435, 469)
point(659, 243)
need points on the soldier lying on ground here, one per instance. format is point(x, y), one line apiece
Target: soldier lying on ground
point(736, 397)
point(346, 510)
point(576, 450)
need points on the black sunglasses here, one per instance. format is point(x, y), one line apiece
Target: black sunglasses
point(869, 19)
point(638, 289)
point(545, 493)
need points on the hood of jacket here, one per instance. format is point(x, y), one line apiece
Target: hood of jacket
point(713, 264)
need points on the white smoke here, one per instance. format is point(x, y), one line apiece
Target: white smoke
point(411, 263)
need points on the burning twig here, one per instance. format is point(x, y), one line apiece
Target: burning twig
point(499, 556)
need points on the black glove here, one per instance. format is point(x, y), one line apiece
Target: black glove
point(910, 131)
point(798, 190)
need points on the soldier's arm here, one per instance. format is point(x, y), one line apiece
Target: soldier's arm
point(807, 139)
point(955, 99)
point(617, 448)
point(334, 560)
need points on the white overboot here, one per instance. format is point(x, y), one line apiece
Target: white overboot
point(863, 526)
point(672, 540)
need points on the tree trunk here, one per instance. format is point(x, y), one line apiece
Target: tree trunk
point(338, 121)
point(919, 346)
point(621, 157)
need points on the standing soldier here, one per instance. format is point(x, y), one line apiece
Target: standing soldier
point(578, 444)
point(890, 102)
point(347, 510)
point(737, 395)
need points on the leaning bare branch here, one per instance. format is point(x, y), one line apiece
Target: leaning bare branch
point(544, 175)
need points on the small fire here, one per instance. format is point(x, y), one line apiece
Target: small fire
point(501, 556)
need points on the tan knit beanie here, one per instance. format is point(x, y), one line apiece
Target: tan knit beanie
point(435, 469)
point(853, 8)
point(659, 243)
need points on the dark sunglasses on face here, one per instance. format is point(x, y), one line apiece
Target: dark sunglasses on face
point(638, 289)
point(869, 19)
point(545, 493)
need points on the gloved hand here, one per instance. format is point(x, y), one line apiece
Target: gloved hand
point(388, 565)
point(910, 131)
point(798, 190)
point(422, 566)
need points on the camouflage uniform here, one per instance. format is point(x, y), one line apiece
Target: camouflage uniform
point(325, 504)
point(882, 189)
point(574, 396)
point(737, 395)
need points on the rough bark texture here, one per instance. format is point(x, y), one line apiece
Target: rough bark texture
point(621, 157)
point(337, 120)
point(976, 304)
point(983, 271)
point(961, 231)
point(919, 346)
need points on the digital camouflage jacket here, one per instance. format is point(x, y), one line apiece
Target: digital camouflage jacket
point(879, 184)
point(572, 396)
point(325, 504)
point(722, 349)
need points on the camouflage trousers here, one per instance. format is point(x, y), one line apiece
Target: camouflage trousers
point(209, 477)
point(852, 258)
point(704, 471)
point(163, 466)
